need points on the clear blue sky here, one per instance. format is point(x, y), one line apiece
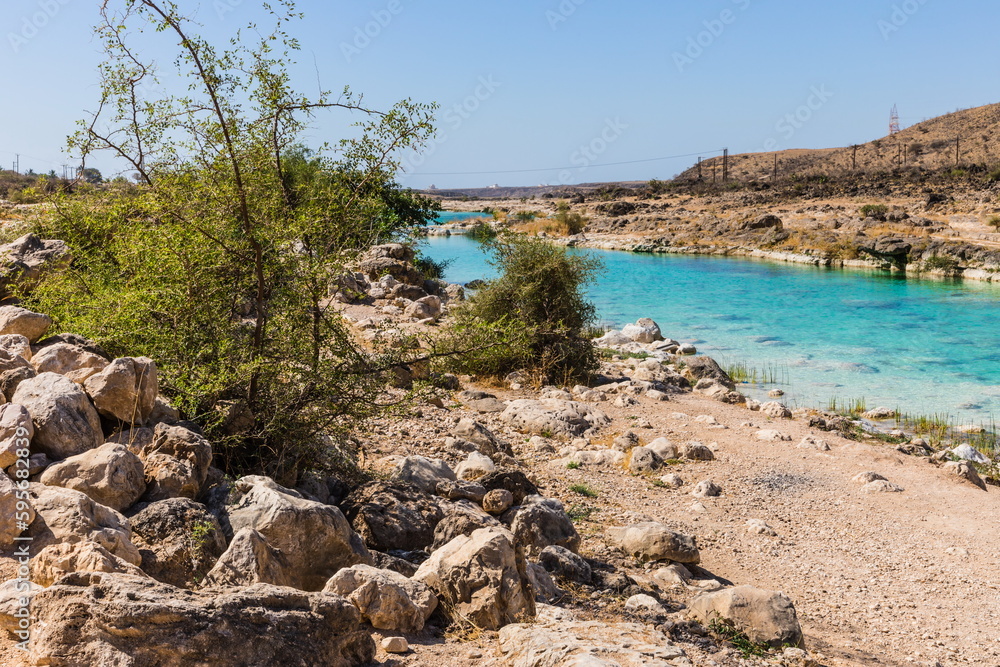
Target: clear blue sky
point(552, 78)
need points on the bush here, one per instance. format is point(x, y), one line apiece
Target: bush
point(532, 318)
point(941, 263)
point(570, 222)
point(875, 211)
point(482, 231)
point(994, 221)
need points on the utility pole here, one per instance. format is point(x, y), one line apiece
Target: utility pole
point(854, 158)
point(699, 170)
point(725, 165)
point(17, 163)
point(958, 151)
point(774, 179)
point(904, 154)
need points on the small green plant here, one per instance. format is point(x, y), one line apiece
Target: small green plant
point(573, 465)
point(994, 222)
point(201, 534)
point(432, 269)
point(580, 512)
point(726, 631)
point(853, 407)
point(607, 353)
point(659, 483)
point(745, 373)
point(941, 263)
point(583, 490)
point(482, 231)
point(876, 211)
point(572, 223)
point(525, 216)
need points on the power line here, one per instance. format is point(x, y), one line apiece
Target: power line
point(576, 166)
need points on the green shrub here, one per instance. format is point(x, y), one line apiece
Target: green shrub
point(941, 263)
point(876, 211)
point(432, 269)
point(570, 222)
point(994, 221)
point(482, 231)
point(583, 490)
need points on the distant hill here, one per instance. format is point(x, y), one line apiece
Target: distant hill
point(518, 192)
point(930, 145)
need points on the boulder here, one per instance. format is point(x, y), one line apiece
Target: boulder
point(698, 368)
point(57, 560)
point(652, 541)
point(695, 451)
point(565, 564)
point(125, 390)
point(554, 417)
point(643, 461)
point(70, 360)
point(775, 410)
point(425, 308)
point(765, 617)
point(966, 453)
point(475, 466)
point(315, 538)
point(461, 491)
point(16, 345)
point(707, 489)
point(12, 419)
point(498, 501)
point(482, 437)
point(770, 435)
point(66, 423)
point(570, 643)
point(110, 474)
point(65, 516)
point(120, 619)
point(643, 331)
point(393, 516)
point(23, 261)
point(14, 370)
point(15, 512)
point(249, 560)
point(13, 594)
point(663, 448)
point(386, 599)
point(423, 473)
point(514, 481)
point(176, 462)
point(542, 522)
point(461, 518)
point(644, 605)
point(881, 486)
point(179, 541)
point(480, 579)
point(16, 320)
point(966, 471)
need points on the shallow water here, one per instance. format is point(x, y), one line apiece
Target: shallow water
point(923, 347)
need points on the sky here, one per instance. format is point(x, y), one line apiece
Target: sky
point(557, 91)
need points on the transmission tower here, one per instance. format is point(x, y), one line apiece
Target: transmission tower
point(894, 121)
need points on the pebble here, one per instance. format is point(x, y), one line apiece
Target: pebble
point(395, 645)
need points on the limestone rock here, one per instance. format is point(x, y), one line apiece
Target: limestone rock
point(481, 578)
point(554, 417)
point(110, 474)
point(970, 453)
point(775, 410)
point(966, 471)
point(58, 560)
point(760, 527)
point(644, 460)
point(698, 368)
point(395, 645)
point(386, 599)
point(68, 516)
point(542, 522)
point(249, 560)
point(764, 616)
point(643, 331)
point(663, 448)
point(514, 481)
point(315, 538)
point(22, 261)
point(12, 595)
point(176, 463)
point(770, 435)
point(652, 541)
point(179, 541)
point(482, 437)
point(644, 605)
point(16, 345)
point(498, 501)
point(565, 564)
point(16, 320)
point(707, 489)
point(125, 390)
point(571, 643)
point(867, 477)
point(810, 442)
point(119, 619)
point(66, 423)
point(695, 451)
point(881, 486)
point(423, 473)
point(392, 516)
point(70, 360)
point(13, 511)
point(462, 518)
point(475, 466)
point(12, 418)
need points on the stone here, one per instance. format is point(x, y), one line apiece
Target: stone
point(686, 350)
point(14, 511)
point(867, 477)
point(573, 643)
point(13, 594)
point(66, 423)
point(423, 473)
point(125, 390)
point(663, 448)
point(498, 501)
point(392, 516)
point(249, 560)
point(625, 442)
point(14, 418)
point(176, 462)
point(164, 412)
point(395, 645)
point(386, 599)
point(121, 619)
point(626, 401)
point(565, 564)
point(480, 579)
point(514, 481)
point(542, 522)
point(482, 437)
point(776, 393)
point(16, 345)
point(698, 368)
point(650, 541)
point(57, 560)
point(475, 466)
point(644, 461)
point(673, 481)
point(110, 474)
point(880, 414)
point(553, 417)
point(462, 518)
point(775, 410)
point(966, 471)
point(970, 453)
point(760, 527)
point(425, 308)
point(764, 616)
point(461, 491)
point(881, 486)
point(643, 331)
point(70, 360)
point(707, 489)
point(179, 541)
point(695, 451)
point(544, 587)
point(22, 261)
point(13, 371)
point(770, 435)
point(316, 539)
point(811, 442)
point(17, 320)
point(644, 605)
point(65, 516)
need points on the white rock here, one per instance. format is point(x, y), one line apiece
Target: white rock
point(970, 453)
point(644, 604)
point(476, 465)
point(770, 435)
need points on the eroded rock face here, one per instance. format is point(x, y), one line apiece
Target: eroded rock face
point(110, 474)
point(393, 516)
point(554, 417)
point(567, 642)
point(249, 560)
point(66, 423)
point(652, 541)
point(386, 599)
point(423, 473)
point(316, 539)
point(482, 578)
point(70, 360)
point(12, 418)
point(764, 616)
point(68, 516)
point(176, 462)
point(58, 560)
point(542, 522)
point(125, 390)
point(178, 539)
point(461, 518)
point(23, 261)
point(119, 619)
point(12, 509)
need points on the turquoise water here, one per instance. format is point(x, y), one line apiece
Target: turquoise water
point(924, 347)
point(457, 216)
